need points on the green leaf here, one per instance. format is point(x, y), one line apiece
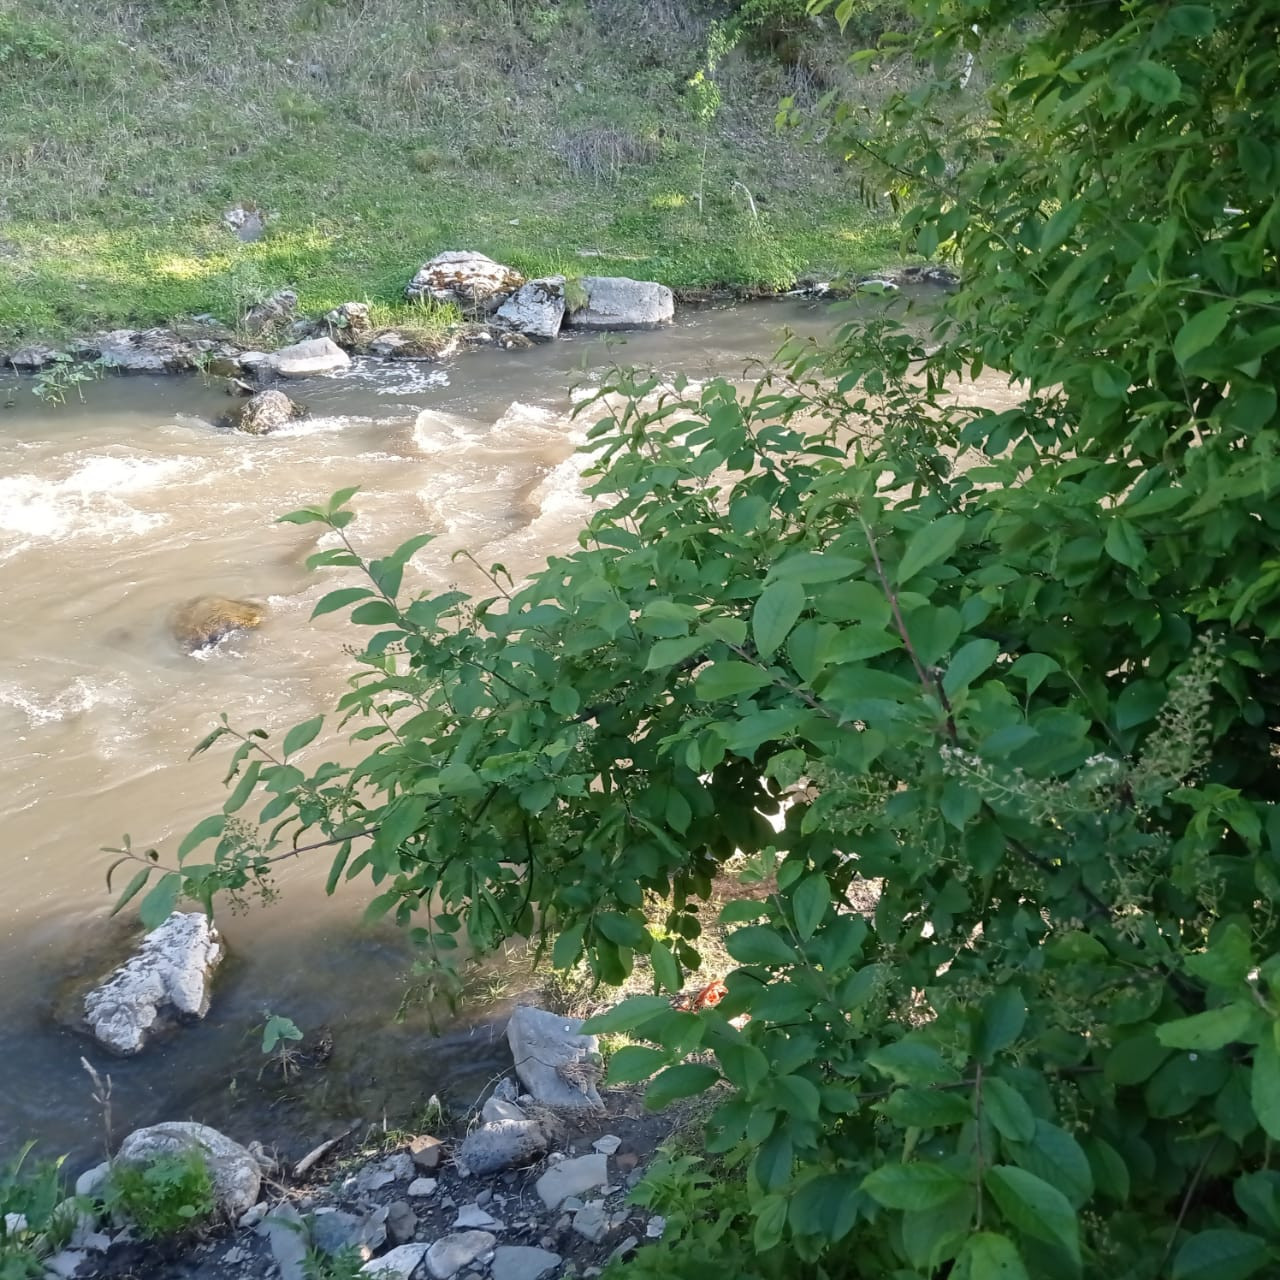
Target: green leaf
point(1123, 545)
point(775, 1160)
point(627, 1015)
point(301, 735)
point(206, 829)
point(809, 902)
point(1054, 1155)
point(1194, 20)
point(770, 1221)
point(999, 1022)
point(1139, 703)
point(1221, 1254)
point(759, 944)
point(1265, 1086)
point(1201, 331)
point(968, 663)
point(991, 1257)
point(1008, 1110)
point(665, 968)
point(159, 904)
point(667, 653)
point(339, 599)
point(927, 546)
point(635, 1062)
point(776, 612)
point(813, 566)
point(919, 1185)
point(132, 889)
point(926, 1108)
point(729, 680)
point(1033, 1206)
point(1213, 1029)
point(1159, 85)
point(682, 1081)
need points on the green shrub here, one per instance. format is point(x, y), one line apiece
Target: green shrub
point(167, 1196)
point(32, 1223)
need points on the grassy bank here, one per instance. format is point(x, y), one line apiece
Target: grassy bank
point(555, 136)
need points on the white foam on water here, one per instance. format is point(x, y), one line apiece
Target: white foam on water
point(78, 697)
point(90, 499)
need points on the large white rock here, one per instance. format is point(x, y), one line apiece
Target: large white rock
point(315, 355)
point(470, 279)
point(236, 1175)
point(168, 979)
point(554, 1060)
point(536, 308)
point(616, 302)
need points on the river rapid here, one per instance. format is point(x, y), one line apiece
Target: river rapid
point(113, 511)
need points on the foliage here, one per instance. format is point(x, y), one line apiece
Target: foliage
point(278, 1029)
point(167, 1196)
point(345, 1264)
point(1014, 669)
point(33, 1220)
point(52, 383)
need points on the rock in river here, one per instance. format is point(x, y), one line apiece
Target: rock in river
point(166, 981)
point(266, 412)
point(236, 1175)
point(536, 308)
point(616, 302)
point(207, 619)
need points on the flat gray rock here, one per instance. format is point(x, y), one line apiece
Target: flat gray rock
point(473, 1217)
point(502, 1145)
point(404, 1262)
point(287, 1236)
point(554, 1060)
point(315, 355)
point(591, 1222)
point(522, 1262)
point(458, 1249)
point(617, 302)
point(167, 980)
point(572, 1178)
point(236, 1174)
point(496, 1109)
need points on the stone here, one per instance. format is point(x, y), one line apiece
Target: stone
point(387, 344)
point(64, 1264)
point(458, 1249)
point(422, 1187)
point(266, 412)
point(145, 350)
point(591, 1222)
point(616, 302)
point(536, 309)
point(34, 357)
point(272, 312)
point(655, 1227)
point(246, 221)
point(404, 1262)
point(523, 1262)
point(426, 1153)
point(402, 1222)
point(372, 1177)
point(505, 1090)
point(287, 1238)
point(315, 355)
point(572, 1178)
point(207, 619)
point(166, 981)
point(496, 1109)
point(234, 1256)
point(554, 1060)
point(91, 1179)
point(629, 1245)
point(252, 1216)
point(472, 1217)
point(333, 1230)
point(470, 279)
point(504, 1145)
point(235, 1173)
point(400, 1166)
point(607, 1145)
point(348, 323)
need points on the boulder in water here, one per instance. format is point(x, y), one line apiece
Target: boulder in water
point(266, 412)
point(148, 350)
point(315, 355)
point(166, 981)
point(470, 279)
point(237, 1176)
point(207, 619)
point(536, 309)
point(616, 302)
point(34, 357)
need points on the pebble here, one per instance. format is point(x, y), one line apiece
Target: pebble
point(422, 1187)
point(402, 1222)
point(472, 1216)
point(571, 1178)
point(484, 1197)
point(655, 1227)
point(629, 1245)
point(401, 1262)
point(520, 1262)
point(607, 1145)
point(459, 1249)
point(371, 1178)
point(252, 1216)
point(591, 1222)
point(426, 1153)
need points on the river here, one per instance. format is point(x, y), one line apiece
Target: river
point(115, 509)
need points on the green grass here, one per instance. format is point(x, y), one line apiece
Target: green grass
point(553, 136)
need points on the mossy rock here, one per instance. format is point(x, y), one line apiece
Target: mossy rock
point(207, 619)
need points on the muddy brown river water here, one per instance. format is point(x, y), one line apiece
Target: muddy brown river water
point(114, 510)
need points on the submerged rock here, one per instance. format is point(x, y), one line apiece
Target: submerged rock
point(536, 309)
point(556, 1063)
point(207, 619)
point(266, 412)
point(166, 981)
point(616, 302)
point(470, 279)
point(235, 1173)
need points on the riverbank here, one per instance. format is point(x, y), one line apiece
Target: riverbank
point(562, 138)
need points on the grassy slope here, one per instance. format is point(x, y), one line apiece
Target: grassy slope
point(378, 132)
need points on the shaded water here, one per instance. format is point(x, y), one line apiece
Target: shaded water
point(115, 510)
